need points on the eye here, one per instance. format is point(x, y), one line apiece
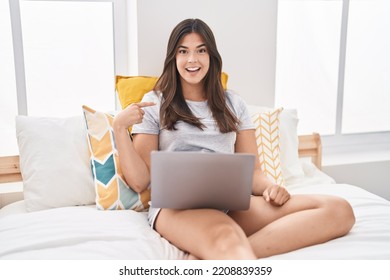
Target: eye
point(202, 50)
point(182, 51)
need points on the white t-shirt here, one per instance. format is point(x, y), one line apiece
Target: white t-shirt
point(188, 137)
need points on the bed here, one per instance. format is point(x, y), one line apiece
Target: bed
point(79, 230)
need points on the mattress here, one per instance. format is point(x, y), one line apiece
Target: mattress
point(83, 232)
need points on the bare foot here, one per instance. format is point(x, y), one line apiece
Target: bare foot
point(190, 257)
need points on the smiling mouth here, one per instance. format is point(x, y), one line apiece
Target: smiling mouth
point(193, 69)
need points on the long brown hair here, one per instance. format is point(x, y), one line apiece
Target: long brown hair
point(174, 106)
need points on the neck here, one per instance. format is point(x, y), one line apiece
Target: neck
point(193, 92)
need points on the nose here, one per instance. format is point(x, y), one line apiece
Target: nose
point(192, 57)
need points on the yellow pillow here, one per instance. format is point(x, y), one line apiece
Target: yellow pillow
point(112, 192)
point(268, 147)
point(131, 89)
point(224, 80)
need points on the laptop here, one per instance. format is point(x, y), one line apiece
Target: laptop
point(193, 180)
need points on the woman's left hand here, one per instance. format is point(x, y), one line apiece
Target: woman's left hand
point(276, 195)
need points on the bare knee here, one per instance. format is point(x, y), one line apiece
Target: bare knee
point(228, 241)
point(205, 234)
point(341, 215)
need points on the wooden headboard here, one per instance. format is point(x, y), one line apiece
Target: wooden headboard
point(10, 169)
point(309, 146)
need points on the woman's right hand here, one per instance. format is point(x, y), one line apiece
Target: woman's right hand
point(131, 115)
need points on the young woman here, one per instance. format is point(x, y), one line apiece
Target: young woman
point(190, 111)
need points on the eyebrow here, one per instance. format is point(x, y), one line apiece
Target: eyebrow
point(201, 45)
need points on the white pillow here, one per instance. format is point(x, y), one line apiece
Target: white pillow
point(288, 122)
point(54, 162)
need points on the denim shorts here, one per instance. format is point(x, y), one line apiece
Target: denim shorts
point(152, 215)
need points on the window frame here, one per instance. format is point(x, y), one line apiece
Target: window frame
point(345, 143)
point(350, 142)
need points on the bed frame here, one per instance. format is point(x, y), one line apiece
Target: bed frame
point(10, 169)
point(309, 146)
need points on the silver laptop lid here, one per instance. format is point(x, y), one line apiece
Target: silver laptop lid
point(189, 180)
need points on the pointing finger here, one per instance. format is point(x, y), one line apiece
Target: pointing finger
point(145, 104)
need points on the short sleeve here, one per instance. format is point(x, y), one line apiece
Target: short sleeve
point(151, 121)
point(240, 109)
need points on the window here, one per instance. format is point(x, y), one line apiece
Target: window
point(333, 65)
point(68, 63)
point(8, 102)
point(60, 64)
point(308, 41)
point(367, 68)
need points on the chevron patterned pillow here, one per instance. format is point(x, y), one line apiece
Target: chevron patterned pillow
point(268, 148)
point(112, 192)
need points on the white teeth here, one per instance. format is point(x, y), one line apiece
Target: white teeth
point(193, 69)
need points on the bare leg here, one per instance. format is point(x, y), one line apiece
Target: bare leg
point(303, 221)
point(191, 257)
point(204, 233)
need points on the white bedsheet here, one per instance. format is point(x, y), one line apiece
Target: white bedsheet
point(82, 233)
point(368, 239)
point(87, 233)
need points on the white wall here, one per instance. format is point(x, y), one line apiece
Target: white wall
point(245, 31)
point(373, 176)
